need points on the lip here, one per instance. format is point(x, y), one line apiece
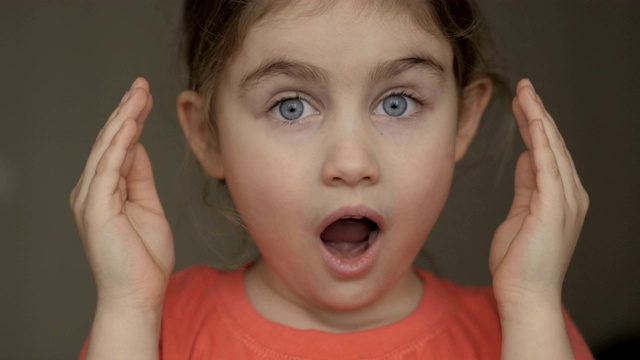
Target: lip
point(358, 266)
point(352, 211)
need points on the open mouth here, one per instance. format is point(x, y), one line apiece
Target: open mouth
point(349, 237)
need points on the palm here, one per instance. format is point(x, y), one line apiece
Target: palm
point(141, 229)
point(512, 241)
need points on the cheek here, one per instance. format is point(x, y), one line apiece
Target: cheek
point(256, 181)
point(267, 205)
point(427, 185)
point(423, 178)
point(264, 182)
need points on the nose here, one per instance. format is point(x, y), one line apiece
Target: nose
point(350, 156)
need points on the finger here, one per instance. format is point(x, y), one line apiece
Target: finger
point(141, 118)
point(567, 153)
point(131, 109)
point(522, 121)
point(555, 126)
point(144, 114)
point(76, 189)
point(533, 109)
point(125, 97)
point(109, 170)
point(549, 180)
point(524, 183)
point(138, 83)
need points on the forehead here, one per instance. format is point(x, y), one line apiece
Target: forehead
point(341, 36)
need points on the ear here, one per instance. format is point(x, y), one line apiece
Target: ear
point(192, 114)
point(475, 98)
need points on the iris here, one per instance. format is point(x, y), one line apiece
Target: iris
point(291, 109)
point(394, 105)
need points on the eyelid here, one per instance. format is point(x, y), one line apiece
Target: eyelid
point(288, 96)
point(271, 107)
point(403, 92)
point(418, 102)
point(411, 94)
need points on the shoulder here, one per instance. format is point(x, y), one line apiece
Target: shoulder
point(188, 290)
point(467, 319)
point(474, 308)
point(192, 279)
point(199, 287)
point(194, 301)
point(477, 300)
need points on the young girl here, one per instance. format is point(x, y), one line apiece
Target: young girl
point(336, 127)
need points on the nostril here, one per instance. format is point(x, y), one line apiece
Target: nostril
point(346, 181)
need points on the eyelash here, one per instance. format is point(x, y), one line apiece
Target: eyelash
point(297, 96)
point(283, 98)
point(406, 93)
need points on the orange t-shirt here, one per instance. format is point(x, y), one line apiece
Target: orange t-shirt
point(208, 316)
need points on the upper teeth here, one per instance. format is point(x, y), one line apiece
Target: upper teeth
point(351, 217)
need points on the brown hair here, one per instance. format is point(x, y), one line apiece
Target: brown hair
point(214, 30)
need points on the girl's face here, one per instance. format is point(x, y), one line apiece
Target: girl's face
point(338, 134)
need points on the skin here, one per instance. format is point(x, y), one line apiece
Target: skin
point(344, 153)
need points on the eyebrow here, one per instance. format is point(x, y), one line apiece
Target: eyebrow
point(283, 67)
point(390, 69)
point(311, 73)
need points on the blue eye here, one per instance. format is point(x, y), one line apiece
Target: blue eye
point(292, 109)
point(396, 105)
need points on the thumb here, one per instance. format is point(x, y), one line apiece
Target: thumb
point(524, 183)
point(141, 187)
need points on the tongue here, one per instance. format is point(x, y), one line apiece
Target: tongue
point(347, 230)
point(347, 237)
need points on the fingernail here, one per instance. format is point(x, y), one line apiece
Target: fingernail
point(531, 84)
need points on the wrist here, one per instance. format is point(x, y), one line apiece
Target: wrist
point(133, 310)
point(146, 320)
point(534, 330)
point(524, 301)
point(126, 305)
point(530, 310)
point(129, 300)
point(125, 331)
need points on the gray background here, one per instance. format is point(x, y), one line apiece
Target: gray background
point(65, 64)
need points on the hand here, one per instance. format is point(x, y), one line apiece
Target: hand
point(532, 248)
point(123, 228)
